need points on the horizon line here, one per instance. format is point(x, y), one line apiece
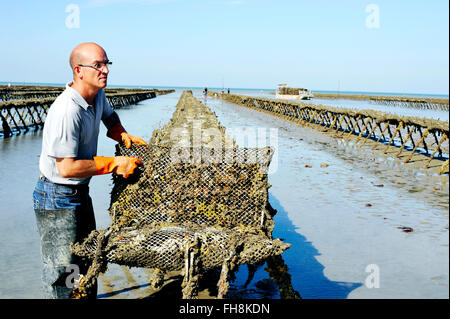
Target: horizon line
point(231, 88)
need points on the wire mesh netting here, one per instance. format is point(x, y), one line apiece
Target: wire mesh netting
point(226, 194)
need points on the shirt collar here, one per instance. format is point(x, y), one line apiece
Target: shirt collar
point(76, 97)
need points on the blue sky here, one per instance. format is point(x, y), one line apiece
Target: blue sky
point(319, 44)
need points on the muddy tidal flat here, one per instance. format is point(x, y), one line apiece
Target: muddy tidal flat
point(361, 224)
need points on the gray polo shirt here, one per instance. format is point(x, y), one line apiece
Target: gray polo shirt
point(71, 130)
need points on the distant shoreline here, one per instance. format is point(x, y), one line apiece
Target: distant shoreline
point(396, 94)
point(387, 99)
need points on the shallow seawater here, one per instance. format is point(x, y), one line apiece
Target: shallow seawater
point(330, 204)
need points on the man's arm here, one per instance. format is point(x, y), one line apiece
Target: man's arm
point(118, 133)
point(71, 167)
point(121, 165)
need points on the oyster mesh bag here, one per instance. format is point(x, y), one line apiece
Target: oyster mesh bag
point(185, 209)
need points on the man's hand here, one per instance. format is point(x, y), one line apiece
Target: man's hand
point(128, 139)
point(126, 165)
point(121, 165)
point(118, 133)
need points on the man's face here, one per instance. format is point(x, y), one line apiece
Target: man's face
point(95, 77)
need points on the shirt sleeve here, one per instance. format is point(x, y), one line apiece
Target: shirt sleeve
point(63, 136)
point(107, 109)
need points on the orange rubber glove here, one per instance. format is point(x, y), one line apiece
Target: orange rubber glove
point(127, 139)
point(121, 165)
point(118, 133)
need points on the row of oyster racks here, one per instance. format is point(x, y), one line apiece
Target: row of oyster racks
point(285, 92)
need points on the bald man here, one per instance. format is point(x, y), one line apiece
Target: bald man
point(68, 160)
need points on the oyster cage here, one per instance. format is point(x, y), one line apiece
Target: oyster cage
point(225, 194)
point(189, 211)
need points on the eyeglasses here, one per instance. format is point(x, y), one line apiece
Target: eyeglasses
point(98, 65)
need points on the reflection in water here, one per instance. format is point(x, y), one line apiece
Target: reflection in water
point(279, 272)
point(293, 274)
point(307, 273)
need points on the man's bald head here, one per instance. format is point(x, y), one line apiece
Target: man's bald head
point(83, 59)
point(84, 53)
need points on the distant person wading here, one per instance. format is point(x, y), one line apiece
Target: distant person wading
point(68, 160)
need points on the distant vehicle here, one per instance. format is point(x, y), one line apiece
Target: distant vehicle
point(287, 93)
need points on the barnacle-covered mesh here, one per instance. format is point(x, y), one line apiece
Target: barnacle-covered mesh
point(163, 247)
point(221, 194)
point(188, 192)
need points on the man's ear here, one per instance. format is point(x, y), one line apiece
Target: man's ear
point(78, 72)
